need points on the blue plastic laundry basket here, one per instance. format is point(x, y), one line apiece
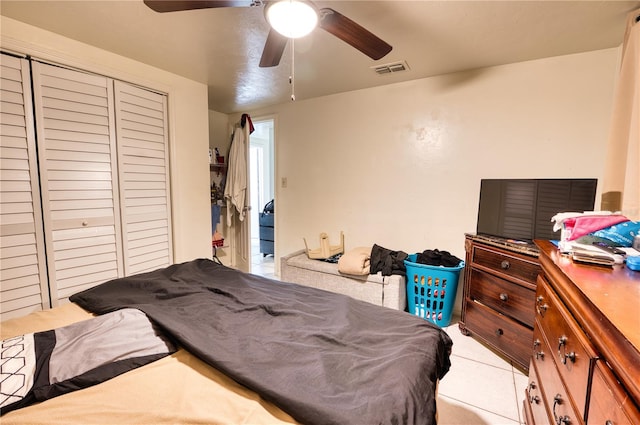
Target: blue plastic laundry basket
point(431, 290)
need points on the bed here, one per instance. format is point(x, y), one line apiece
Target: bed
point(246, 350)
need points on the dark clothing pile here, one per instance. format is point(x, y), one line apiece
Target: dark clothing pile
point(387, 262)
point(390, 262)
point(434, 257)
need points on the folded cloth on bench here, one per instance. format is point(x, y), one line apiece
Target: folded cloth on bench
point(356, 261)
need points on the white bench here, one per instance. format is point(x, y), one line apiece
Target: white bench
point(386, 291)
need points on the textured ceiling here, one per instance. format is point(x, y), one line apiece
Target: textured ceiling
point(222, 47)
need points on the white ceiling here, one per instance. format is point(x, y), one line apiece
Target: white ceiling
point(222, 47)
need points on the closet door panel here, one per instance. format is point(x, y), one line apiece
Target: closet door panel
point(76, 138)
point(141, 117)
point(23, 287)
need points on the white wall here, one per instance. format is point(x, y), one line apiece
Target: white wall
point(400, 165)
point(188, 123)
point(219, 131)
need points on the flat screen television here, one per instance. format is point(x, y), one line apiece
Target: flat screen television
point(521, 209)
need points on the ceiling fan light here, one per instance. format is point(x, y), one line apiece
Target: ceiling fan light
point(292, 18)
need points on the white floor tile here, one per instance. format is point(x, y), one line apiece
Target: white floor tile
point(260, 264)
point(454, 412)
point(520, 383)
point(481, 386)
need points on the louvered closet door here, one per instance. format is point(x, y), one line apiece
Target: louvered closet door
point(76, 147)
point(23, 284)
point(141, 118)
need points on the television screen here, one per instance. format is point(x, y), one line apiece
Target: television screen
point(522, 208)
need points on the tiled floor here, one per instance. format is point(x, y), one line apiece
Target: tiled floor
point(480, 388)
point(260, 264)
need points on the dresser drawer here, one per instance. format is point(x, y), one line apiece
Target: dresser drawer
point(609, 402)
point(506, 297)
point(568, 346)
point(506, 264)
point(556, 396)
point(534, 404)
point(503, 333)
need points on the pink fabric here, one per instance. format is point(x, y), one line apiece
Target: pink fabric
point(583, 225)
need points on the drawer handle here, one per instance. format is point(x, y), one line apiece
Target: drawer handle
point(541, 306)
point(538, 354)
point(504, 297)
point(562, 341)
point(562, 348)
point(505, 265)
point(533, 398)
point(499, 332)
point(560, 420)
point(570, 356)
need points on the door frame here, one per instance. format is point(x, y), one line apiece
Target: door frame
point(273, 120)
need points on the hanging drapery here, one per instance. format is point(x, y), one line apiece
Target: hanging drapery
point(235, 189)
point(621, 183)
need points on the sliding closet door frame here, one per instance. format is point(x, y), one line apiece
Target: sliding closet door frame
point(66, 231)
point(22, 247)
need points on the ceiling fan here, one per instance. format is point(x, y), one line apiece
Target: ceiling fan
point(328, 19)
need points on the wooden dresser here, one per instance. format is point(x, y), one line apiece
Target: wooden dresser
point(499, 295)
point(585, 363)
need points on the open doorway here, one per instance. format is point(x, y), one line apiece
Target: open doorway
point(262, 190)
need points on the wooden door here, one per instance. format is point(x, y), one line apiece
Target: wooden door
point(241, 254)
point(143, 164)
point(23, 286)
point(77, 152)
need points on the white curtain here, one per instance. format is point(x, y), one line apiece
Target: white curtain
point(621, 183)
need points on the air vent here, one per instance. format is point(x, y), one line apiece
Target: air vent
point(390, 68)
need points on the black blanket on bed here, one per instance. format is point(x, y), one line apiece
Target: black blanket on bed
point(324, 358)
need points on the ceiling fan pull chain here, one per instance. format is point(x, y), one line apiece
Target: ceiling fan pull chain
point(293, 75)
